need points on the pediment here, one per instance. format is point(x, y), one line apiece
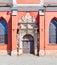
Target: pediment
point(27, 19)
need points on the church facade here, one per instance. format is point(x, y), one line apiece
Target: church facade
point(28, 27)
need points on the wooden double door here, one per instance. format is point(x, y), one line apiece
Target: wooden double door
point(28, 47)
point(28, 44)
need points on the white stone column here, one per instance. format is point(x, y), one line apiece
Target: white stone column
point(35, 42)
point(20, 43)
point(14, 2)
point(41, 2)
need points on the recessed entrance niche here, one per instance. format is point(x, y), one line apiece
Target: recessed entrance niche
point(27, 35)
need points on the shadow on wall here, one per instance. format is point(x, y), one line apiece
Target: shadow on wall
point(9, 47)
point(38, 40)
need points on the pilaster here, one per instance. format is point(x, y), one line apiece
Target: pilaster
point(14, 32)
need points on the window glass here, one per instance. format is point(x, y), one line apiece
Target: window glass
point(3, 32)
point(53, 32)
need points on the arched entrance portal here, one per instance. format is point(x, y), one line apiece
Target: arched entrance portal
point(27, 35)
point(28, 44)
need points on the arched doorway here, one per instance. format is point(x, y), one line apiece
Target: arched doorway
point(27, 35)
point(28, 44)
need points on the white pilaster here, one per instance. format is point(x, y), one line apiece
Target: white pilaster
point(42, 2)
point(41, 12)
point(14, 2)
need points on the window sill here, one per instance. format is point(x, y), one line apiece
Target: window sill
point(52, 44)
point(2, 44)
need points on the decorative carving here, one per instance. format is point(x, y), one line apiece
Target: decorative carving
point(27, 19)
point(28, 25)
point(27, 22)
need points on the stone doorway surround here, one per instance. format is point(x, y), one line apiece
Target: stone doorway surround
point(28, 25)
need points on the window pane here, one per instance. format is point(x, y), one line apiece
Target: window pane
point(53, 32)
point(3, 32)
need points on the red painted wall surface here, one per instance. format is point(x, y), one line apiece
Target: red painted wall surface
point(15, 22)
point(28, 1)
point(48, 17)
point(7, 17)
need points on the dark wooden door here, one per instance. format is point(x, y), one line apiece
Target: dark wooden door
point(32, 47)
point(28, 44)
point(28, 47)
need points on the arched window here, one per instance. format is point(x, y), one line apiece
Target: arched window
point(53, 32)
point(3, 32)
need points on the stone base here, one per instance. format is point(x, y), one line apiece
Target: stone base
point(35, 52)
point(14, 53)
point(48, 52)
point(51, 52)
point(20, 52)
point(3, 52)
point(41, 53)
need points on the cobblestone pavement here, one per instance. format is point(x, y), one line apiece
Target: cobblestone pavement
point(28, 60)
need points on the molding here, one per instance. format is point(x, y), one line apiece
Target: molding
point(54, 9)
point(14, 12)
point(29, 7)
point(41, 12)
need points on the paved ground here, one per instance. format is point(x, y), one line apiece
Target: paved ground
point(28, 60)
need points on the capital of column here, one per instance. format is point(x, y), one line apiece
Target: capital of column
point(14, 2)
point(41, 12)
point(14, 12)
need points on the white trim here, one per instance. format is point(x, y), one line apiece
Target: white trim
point(14, 12)
point(28, 4)
point(42, 2)
point(14, 2)
point(41, 12)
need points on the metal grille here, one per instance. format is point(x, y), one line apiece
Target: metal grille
point(53, 32)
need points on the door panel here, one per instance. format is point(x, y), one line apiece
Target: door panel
point(31, 47)
point(26, 47)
